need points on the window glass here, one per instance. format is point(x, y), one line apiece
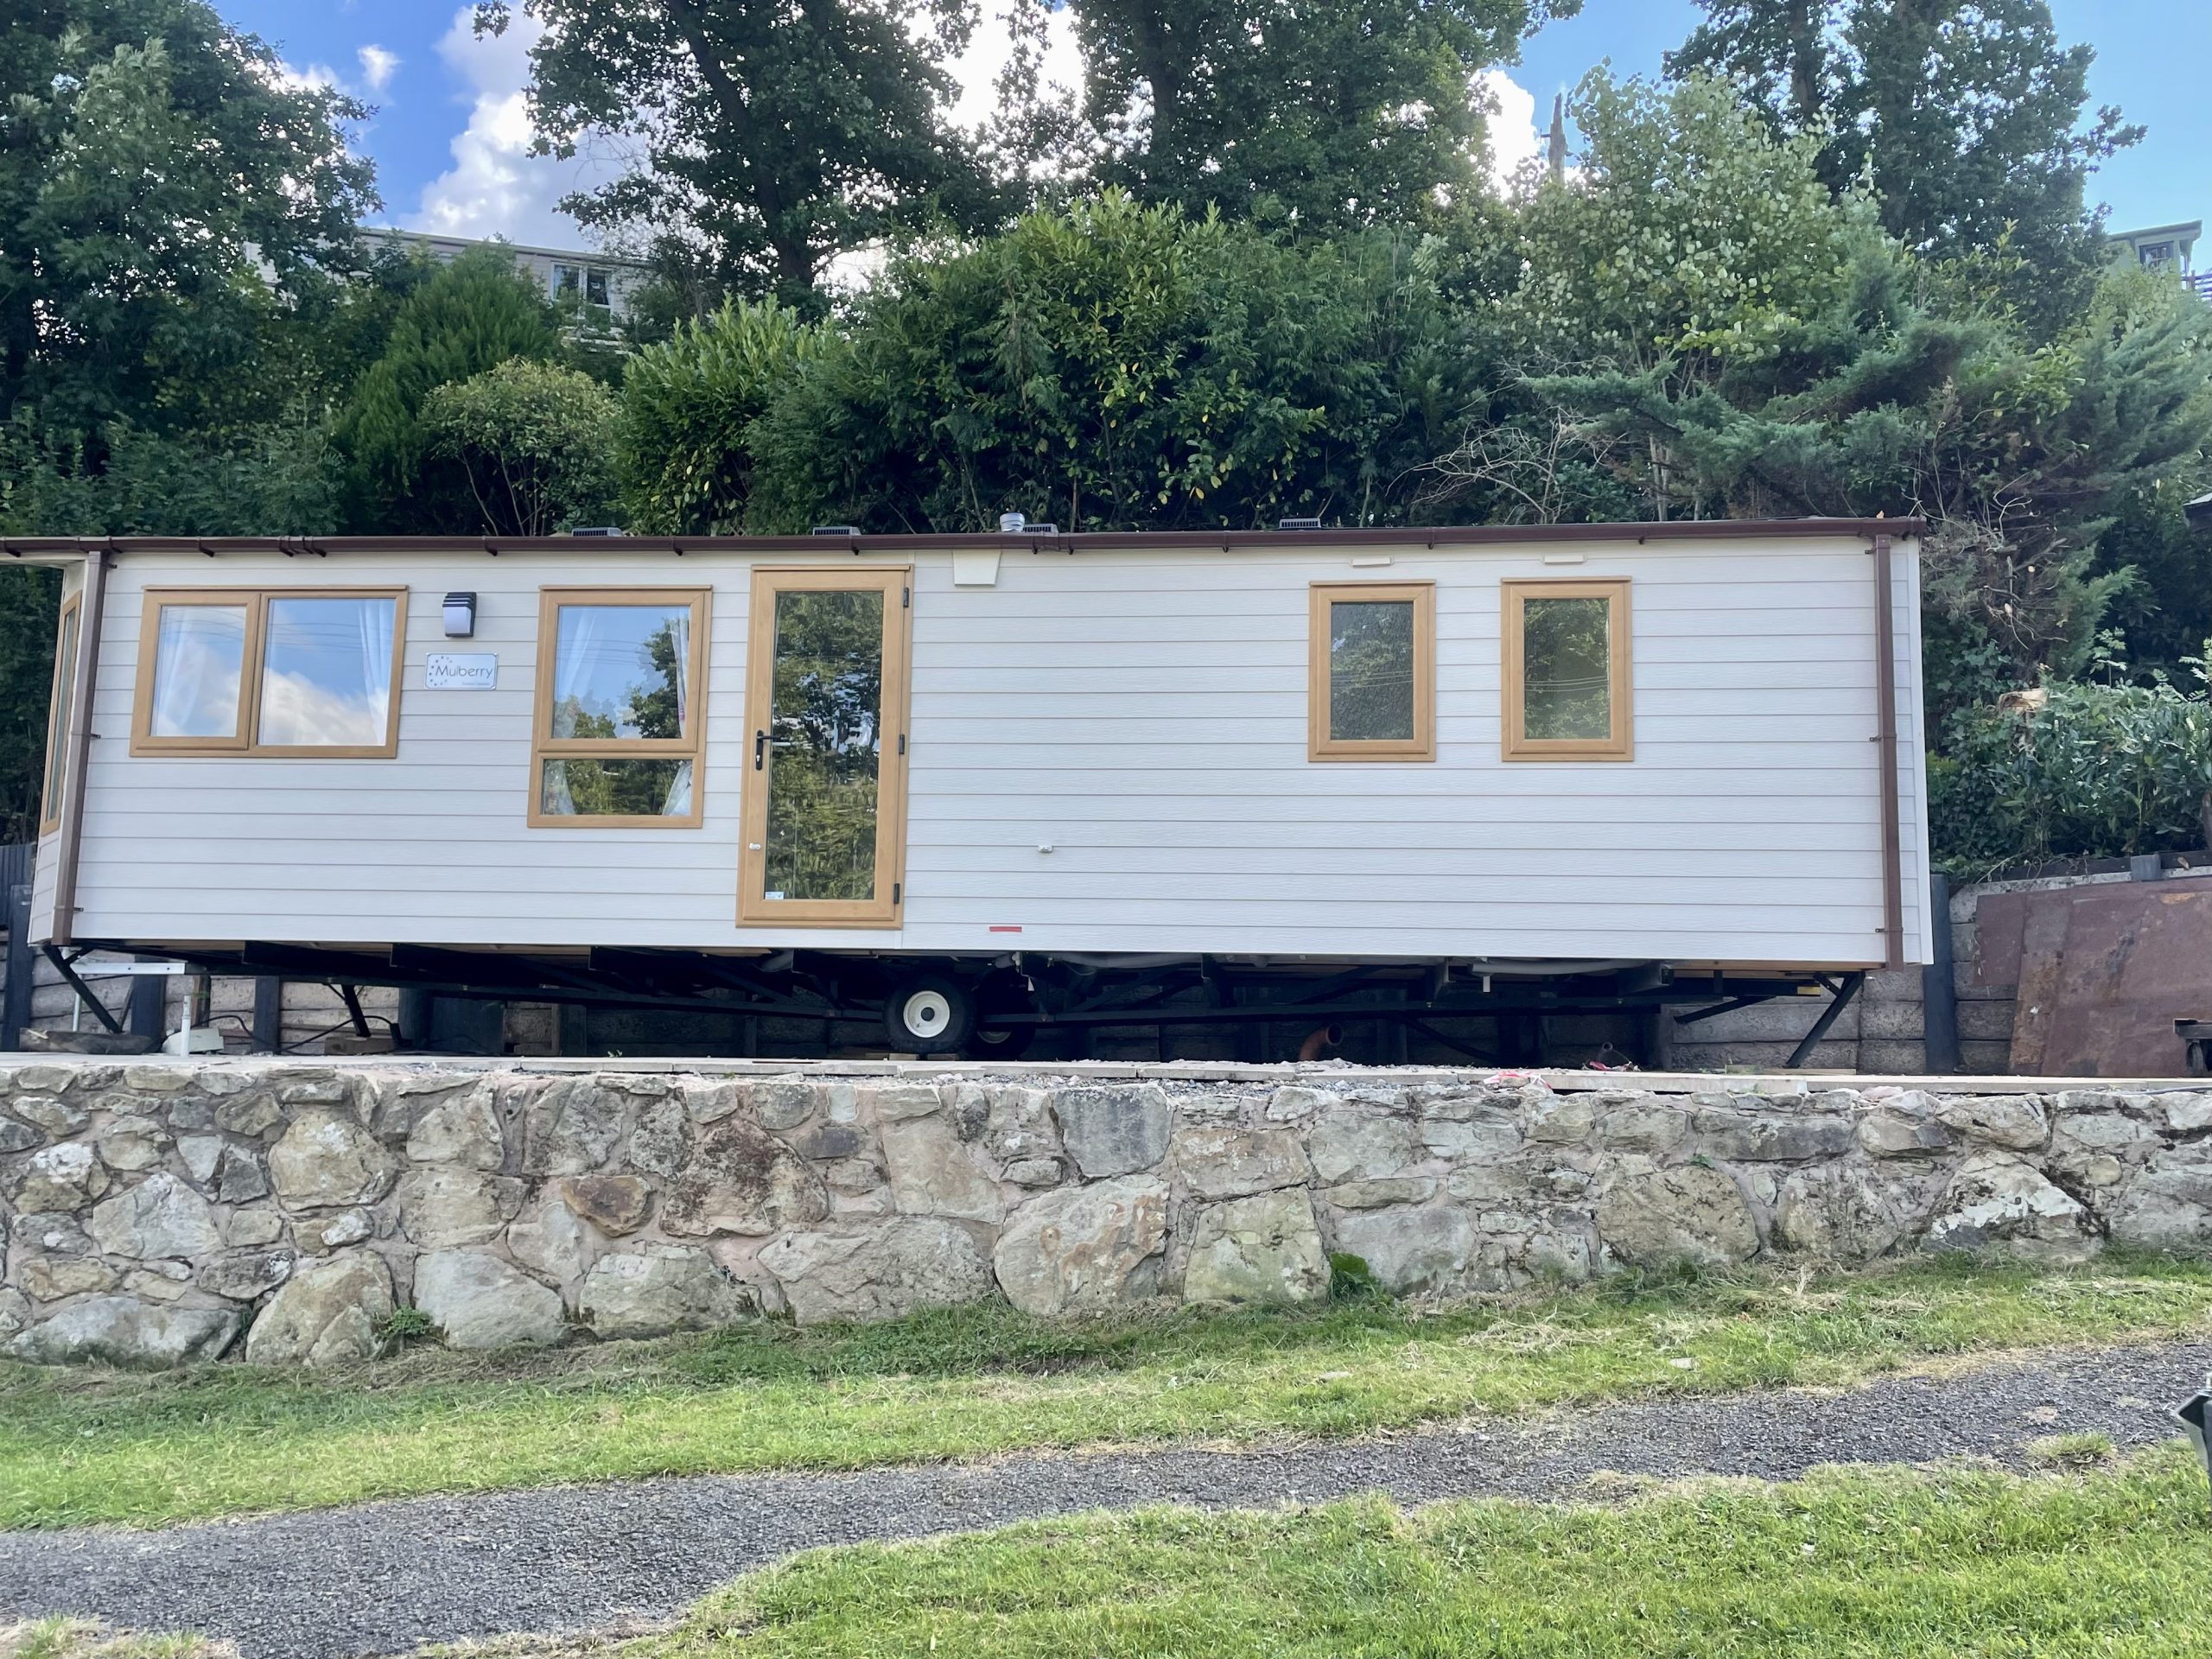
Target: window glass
point(1372, 670)
point(326, 676)
point(825, 724)
point(57, 735)
point(565, 280)
point(1567, 669)
point(596, 287)
point(615, 786)
point(622, 671)
point(199, 669)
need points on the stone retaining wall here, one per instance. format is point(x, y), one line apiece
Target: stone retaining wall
point(160, 1212)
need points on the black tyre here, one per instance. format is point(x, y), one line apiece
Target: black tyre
point(1001, 1042)
point(930, 1013)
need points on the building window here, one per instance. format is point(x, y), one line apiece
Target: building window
point(293, 671)
point(595, 288)
point(567, 281)
point(1567, 671)
point(1372, 671)
point(621, 718)
point(57, 718)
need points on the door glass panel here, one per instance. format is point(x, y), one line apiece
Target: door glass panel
point(1372, 670)
point(1567, 661)
point(826, 746)
point(57, 735)
point(326, 675)
point(622, 671)
point(199, 665)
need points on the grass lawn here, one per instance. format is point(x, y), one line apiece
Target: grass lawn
point(75, 1638)
point(1862, 1565)
point(88, 1446)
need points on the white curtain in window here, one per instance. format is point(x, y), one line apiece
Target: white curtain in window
point(678, 803)
point(554, 786)
point(576, 642)
point(373, 619)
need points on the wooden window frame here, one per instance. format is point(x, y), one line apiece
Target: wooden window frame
point(1421, 745)
point(544, 747)
point(252, 669)
point(887, 908)
point(1515, 745)
point(55, 773)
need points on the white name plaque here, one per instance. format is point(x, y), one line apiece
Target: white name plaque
point(446, 670)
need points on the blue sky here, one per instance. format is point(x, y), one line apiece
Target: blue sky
point(450, 133)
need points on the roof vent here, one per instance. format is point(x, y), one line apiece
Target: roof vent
point(599, 529)
point(1010, 523)
point(834, 529)
point(1298, 524)
point(1040, 530)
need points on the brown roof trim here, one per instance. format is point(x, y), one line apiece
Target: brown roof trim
point(1693, 529)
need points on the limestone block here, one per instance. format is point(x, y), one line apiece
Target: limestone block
point(49, 1113)
point(1997, 1199)
point(60, 1177)
point(14, 1312)
point(660, 1144)
point(1115, 1129)
point(743, 1180)
point(1034, 1172)
point(881, 1273)
point(201, 1154)
point(1215, 1161)
point(1771, 1137)
point(240, 1176)
point(1414, 1252)
point(480, 1301)
point(782, 1102)
point(247, 1228)
point(1294, 1103)
point(2100, 1132)
point(657, 1288)
point(156, 1079)
point(160, 1216)
point(252, 1116)
point(1902, 1130)
point(1346, 1144)
point(462, 1130)
point(892, 1102)
point(335, 1232)
point(934, 1171)
point(2188, 1114)
point(126, 1331)
point(326, 1160)
point(16, 1135)
point(551, 1240)
point(50, 1278)
point(1085, 1249)
point(1469, 1140)
point(616, 1205)
point(1264, 1248)
point(1557, 1120)
point(1686, 1213)
point(1644, 1125)
point(51, 1231)
point(243, 1276)
point(326, 1314)
point(1842, 1212)
point(2016, 1122)
point(708, 1099)
point(2168, 1206)
point(572, 1127)
point(1381, 1191)
point(443, 1206)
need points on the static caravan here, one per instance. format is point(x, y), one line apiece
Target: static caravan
point(975, 786)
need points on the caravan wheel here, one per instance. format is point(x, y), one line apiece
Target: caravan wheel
point(930, 1015)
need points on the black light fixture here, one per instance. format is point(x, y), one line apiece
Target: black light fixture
point(460, 616)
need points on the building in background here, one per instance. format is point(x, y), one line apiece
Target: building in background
point(603, 285)
point(2170, 247)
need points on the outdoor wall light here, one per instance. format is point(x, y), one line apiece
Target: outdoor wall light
point(2191, 1412)
point(460, 616)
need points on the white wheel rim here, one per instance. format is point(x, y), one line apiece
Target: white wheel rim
point(926, 1013)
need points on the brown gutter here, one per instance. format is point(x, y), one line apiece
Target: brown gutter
point(1885, 703)
point(70, 832)
point(1693, 529)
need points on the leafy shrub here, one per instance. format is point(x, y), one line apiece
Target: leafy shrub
point(2080, 771)
point(1351, 1280)
point(535, 441)
point(406, 1326)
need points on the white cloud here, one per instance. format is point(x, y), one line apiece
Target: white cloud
point(989, 50)
point(314, 77)
point(1515, 139)
point(495, 186)
point(377, 67)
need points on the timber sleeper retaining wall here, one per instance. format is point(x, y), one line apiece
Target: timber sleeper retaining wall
point(157, 1213)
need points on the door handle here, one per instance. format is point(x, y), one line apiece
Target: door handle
point(760, 750)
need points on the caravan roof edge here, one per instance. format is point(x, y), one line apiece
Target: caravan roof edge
point(1164, 541)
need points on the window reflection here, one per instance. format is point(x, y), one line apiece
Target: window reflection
point(199, 669)
point(327, 672)
point(1372, 670)
point(1567, 657)
point(622, 671)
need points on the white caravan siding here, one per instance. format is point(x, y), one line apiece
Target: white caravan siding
point(1143, 712)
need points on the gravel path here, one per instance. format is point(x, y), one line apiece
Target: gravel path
point(381, 1578)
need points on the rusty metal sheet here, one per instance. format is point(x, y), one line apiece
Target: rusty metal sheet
point(2103, 972)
